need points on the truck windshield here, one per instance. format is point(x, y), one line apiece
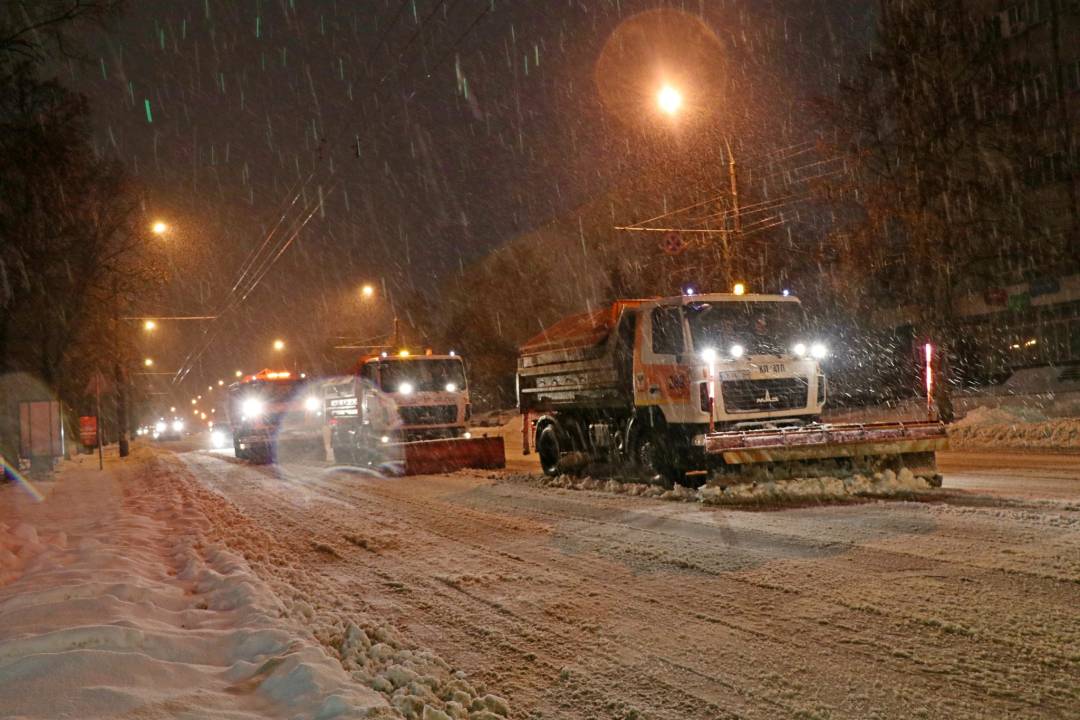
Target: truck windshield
point(422, 375)
point(760, 327)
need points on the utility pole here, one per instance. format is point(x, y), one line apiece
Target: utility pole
point(120, 377)
point(733, 181)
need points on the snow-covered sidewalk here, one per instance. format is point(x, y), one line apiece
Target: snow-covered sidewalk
point(114, 603)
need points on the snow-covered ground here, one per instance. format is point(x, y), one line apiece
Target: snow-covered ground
point(116, 600)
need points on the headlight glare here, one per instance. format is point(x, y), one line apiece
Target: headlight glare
point(799, 349)
point(819, 351)
point(252, 407)
point(737, 351)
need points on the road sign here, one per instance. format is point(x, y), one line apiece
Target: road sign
point(88, 429)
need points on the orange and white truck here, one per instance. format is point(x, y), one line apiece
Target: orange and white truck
point(677, 385)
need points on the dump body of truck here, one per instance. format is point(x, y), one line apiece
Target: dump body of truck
point(647, 382)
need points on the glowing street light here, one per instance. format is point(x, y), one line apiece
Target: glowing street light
point(193, 401)
point(149, 326)
point(220, 383)
point(239, 373)
point(279, 345)
point(148, 362)
point(669, 99)
point(159, 228)
point(367, 291)
point(172, 409)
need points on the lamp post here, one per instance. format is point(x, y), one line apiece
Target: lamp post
point(669, 100)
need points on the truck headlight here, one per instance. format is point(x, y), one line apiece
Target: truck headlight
point(818, 351)
point(253, 407)
point(405, 388)
point(451, 387)
point(311, 404)
point(709, 355)
point(217, 439)
point(799, 349)
point(737, 351)
point(160, 427)
point(177, 425)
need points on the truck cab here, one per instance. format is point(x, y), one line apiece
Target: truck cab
point(727, 360)
point(394, 398)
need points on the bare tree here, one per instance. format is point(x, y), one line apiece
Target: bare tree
point(934, 151)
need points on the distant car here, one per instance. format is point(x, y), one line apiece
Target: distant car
point(169, 430)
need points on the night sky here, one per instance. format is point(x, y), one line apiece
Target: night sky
point(414, 137)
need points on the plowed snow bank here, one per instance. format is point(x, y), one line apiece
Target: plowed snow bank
point(999, 429)
point(883, 484)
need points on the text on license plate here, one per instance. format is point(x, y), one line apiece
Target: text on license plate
point(775, 368)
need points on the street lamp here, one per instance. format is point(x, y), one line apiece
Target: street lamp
point(148, 362)
point(149, 326)
point(367, 291)
point(669, 99)
point(279, 345)
point(220, 383)
point(239, 373)
point(159, 228)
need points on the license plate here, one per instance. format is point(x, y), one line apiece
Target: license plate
point(772, 368)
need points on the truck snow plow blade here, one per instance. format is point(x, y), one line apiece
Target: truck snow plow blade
point(824, 442)
point(428, 457)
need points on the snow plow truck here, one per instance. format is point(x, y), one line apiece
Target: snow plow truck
point(406, 414)
point(273, 410)
point(679, 388)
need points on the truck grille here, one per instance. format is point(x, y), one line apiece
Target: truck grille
point(428, 414)
point(764, 395)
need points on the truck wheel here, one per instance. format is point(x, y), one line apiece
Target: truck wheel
point(656, 460)
point(547, 447)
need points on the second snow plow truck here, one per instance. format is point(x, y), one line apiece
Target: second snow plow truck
point(679, 385)
point(406, 414)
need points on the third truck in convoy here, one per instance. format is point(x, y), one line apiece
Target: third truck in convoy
point(692, 383)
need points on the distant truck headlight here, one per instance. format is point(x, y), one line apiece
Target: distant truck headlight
point(177, 426)
point(217, 439)
point(160, 427)
point(252, 407)
point(311, 404)
point(405, 388)
point(818, 351)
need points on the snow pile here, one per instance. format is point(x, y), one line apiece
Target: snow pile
point(20, 547)
point(881, 485)
point(1015, 434)
point(415, 682)
point(1000, 416)
point(112, 602)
